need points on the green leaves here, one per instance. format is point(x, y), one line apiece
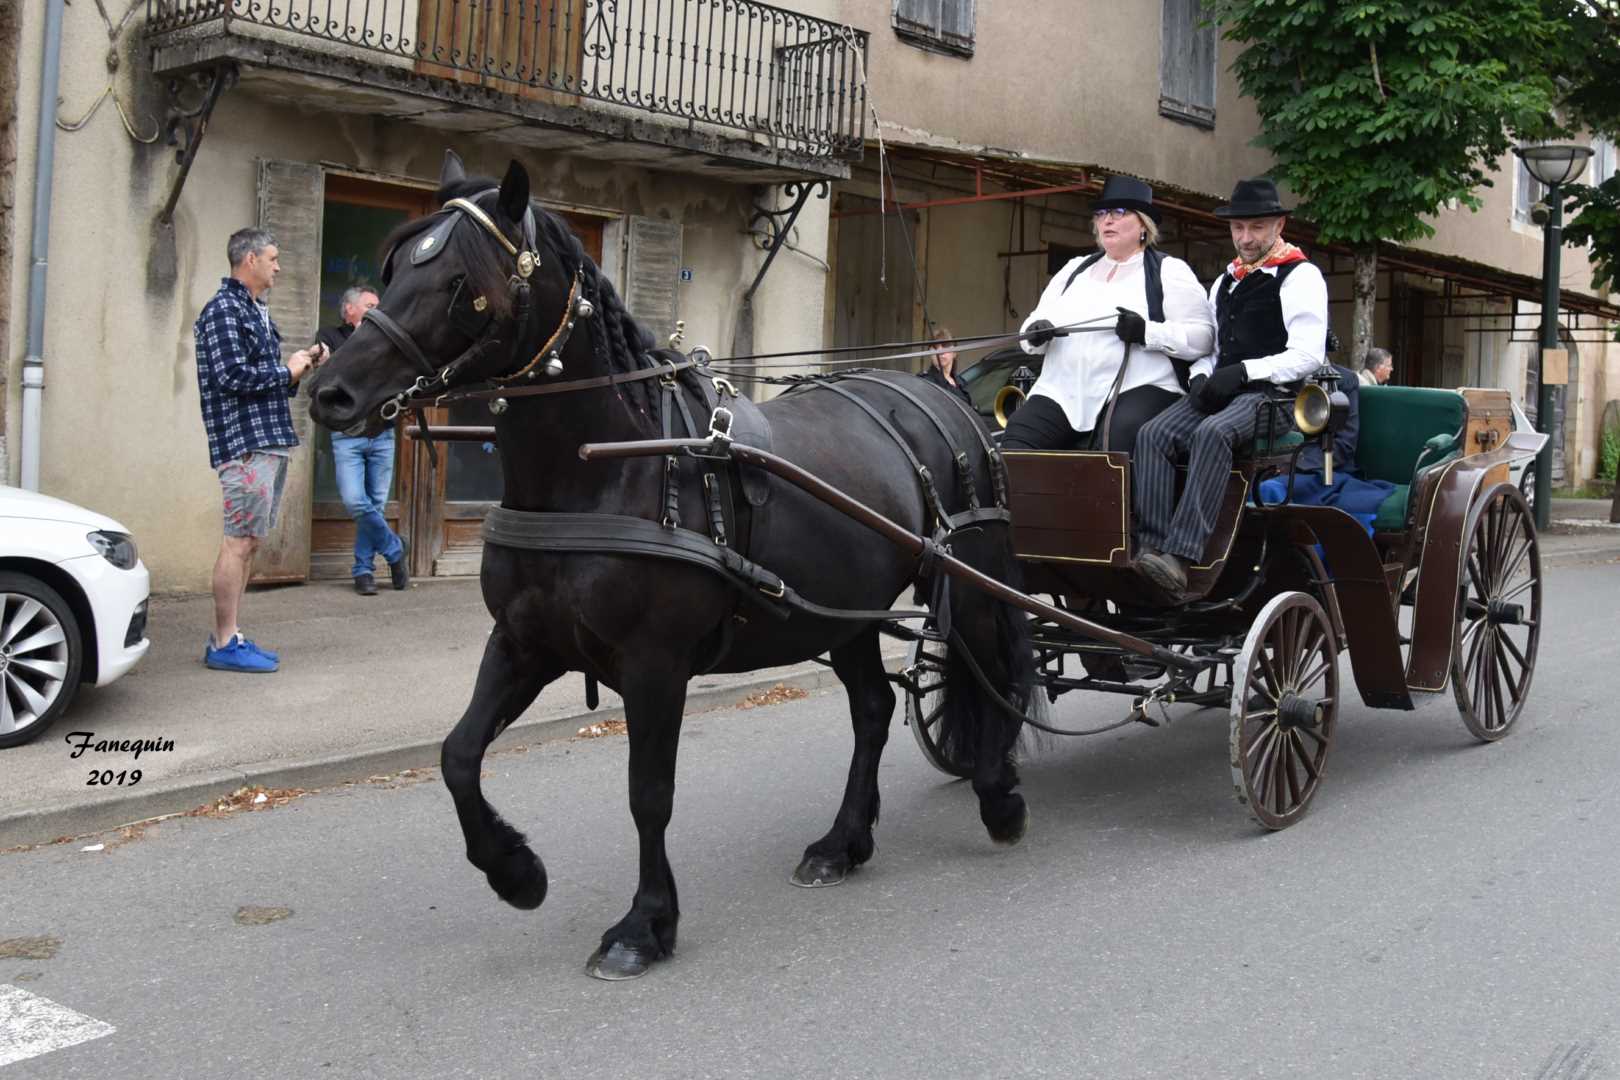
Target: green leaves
point(1598, 225)
point(1371, 153)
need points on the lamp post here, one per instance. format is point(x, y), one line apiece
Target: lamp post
point(1554, 164)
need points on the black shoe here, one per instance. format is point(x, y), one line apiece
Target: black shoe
point(365, 585)
point(1166, 571)
point(397, 573)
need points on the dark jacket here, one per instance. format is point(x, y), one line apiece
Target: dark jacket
point(1345, 439)
point(934, 376)
point(333, 336)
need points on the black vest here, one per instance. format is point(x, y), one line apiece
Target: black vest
point(1248, 318)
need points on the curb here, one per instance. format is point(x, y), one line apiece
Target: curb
point(63, 820)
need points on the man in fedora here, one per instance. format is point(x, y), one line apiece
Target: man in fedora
point(1271, 324)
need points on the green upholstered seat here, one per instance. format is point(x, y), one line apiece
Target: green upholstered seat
point(1405, 429)
point(1282, 444)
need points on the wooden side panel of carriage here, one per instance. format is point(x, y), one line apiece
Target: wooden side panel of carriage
point(1490, 422)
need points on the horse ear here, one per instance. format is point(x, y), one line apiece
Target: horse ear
point(514, 198)
point(452, 171)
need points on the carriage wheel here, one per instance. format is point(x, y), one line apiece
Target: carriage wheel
point(1493, 653)
point(925, 709)
point(1285, 707)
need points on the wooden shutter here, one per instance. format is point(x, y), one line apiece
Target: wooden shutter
point(652, 274)
point(947, 24)
point(956, 23)
point(291, 194)
point(1187, 59)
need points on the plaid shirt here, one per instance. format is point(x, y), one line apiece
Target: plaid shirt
point(241, 380)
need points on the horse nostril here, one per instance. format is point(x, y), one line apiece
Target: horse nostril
point(334, 400)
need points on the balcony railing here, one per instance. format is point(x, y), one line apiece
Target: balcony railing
point(791, 79)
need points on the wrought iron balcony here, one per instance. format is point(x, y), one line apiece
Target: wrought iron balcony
point(784, 79)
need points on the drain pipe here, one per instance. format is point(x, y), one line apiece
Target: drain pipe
point(33, 373)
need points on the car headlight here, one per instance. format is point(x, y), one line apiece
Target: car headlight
point(116, 547)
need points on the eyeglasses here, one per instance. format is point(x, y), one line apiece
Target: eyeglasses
point(1112, 211)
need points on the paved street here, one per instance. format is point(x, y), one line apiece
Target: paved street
point(1446, 910)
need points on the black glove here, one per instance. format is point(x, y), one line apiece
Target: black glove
point(1040, 332)
point(1195, 391)
point(1223, 386)
point(1131, 328)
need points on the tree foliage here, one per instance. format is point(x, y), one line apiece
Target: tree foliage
point(1589, 69)
point(1379, 112)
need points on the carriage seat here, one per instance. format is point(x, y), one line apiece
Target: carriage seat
point(1404, 430)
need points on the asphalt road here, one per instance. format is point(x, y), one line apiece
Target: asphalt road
point(1446, 910)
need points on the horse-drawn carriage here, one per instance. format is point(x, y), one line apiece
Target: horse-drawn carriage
point(1445, 587)
point(635, 547)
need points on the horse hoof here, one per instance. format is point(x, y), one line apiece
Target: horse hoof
point(519, 879)
point(816, 873)
point(618, 962)
point(1015, 832)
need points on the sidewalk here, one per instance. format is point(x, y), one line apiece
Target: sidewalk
point(367, 686)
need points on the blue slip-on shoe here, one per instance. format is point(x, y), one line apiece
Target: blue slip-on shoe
point(256, 647)
point(239, 656)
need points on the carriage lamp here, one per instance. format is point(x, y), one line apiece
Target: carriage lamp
point(1320, 409)
point(1554, 164)
point(1009, 397)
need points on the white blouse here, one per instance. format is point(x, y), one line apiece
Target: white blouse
point(1080, 368)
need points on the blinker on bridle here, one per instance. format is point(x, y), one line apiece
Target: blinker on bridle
point(470, 317)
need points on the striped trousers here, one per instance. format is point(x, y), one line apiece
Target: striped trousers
point(1207, 444)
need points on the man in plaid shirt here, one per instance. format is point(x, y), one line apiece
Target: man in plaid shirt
point(244, 387)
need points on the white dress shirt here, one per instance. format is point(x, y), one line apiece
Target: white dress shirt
point(1304, 300)
point(1080, 368)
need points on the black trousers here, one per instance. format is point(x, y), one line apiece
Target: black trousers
point(1040, 423)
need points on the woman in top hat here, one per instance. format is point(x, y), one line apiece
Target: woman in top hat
point(1161, 320)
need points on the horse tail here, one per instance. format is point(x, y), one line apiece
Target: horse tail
point(990, 681)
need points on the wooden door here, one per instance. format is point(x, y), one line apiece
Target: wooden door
point(358, 215)
point(448, 515)
point(874, 293)
point(533, 48)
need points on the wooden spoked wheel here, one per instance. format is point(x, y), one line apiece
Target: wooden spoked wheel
point(926, 706)
point(1285, 707)
point(1493, 652)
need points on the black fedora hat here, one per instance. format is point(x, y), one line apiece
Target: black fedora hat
point(1127, 193)
point(1255, 198)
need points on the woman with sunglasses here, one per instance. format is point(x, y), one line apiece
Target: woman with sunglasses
point(1161, 321)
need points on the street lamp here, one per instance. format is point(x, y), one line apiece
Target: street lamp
point(1554, 164)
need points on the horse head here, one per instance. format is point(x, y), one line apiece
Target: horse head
point(486, 290)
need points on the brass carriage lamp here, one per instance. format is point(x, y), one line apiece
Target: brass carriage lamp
point(1554, 164)
point(1321, 409)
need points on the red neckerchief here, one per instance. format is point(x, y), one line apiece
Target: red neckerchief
point(1281, 253)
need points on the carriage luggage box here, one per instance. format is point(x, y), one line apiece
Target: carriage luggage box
point(1490, 421)
point(1070, 506)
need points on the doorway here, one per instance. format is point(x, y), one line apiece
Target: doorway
point(439, 513)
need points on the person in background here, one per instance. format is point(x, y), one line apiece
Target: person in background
point(365, 469)
point(941, 369)
point(243, 388)
point(1379, 367)
point(1161, 331)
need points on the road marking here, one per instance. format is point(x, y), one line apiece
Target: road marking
point(31, 1025)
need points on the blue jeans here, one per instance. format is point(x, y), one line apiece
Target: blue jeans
point(365, 468)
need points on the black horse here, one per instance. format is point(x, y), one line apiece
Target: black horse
point(645, 625)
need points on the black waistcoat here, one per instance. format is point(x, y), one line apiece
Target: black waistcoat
point(1248, 317)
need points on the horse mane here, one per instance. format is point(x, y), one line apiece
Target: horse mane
point(621, 342)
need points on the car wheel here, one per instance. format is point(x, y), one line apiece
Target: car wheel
point(41, 656)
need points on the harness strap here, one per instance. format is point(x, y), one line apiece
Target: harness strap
point(569, 385)
point(969, 489)
point(924, 477)
point(616, 534)
point(402, 340)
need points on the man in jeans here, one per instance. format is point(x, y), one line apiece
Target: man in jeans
point(244, 387)
point(365, 468)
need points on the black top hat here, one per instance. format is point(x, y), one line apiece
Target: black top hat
point(1255, 198)
point(1128, 193)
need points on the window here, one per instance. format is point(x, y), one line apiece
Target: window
point(1187, 64)
point(1602, 166)
point(943, 25)
point(1527, 191)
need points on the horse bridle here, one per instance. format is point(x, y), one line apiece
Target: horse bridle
point(468, 313)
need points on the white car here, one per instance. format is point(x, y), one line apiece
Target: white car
point(1522, 473)
point(73, 594)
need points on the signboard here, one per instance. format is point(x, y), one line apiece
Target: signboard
point(1555, 367)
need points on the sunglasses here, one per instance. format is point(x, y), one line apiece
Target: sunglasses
point(1112, 211)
